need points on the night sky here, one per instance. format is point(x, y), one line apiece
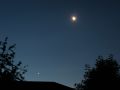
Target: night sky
point(51, 44)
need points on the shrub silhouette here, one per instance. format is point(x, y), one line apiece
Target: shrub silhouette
point(9, 71)
point(104, 76)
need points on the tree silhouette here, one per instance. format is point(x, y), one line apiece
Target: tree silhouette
point(104, 76)
point(9, 71)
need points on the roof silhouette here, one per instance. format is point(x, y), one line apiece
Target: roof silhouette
point(31, 85)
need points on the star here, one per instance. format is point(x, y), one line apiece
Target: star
point(74, 18)
point(38, 74)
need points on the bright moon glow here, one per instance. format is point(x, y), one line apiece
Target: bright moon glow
point(74, 18)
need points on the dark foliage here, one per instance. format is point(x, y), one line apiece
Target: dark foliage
point(104, 76)
point(9, 71)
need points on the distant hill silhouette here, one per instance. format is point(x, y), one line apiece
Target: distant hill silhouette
point(30, 85)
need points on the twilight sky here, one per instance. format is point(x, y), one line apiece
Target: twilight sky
point(49, 43)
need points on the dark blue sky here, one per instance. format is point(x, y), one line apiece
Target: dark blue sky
point(49, 43)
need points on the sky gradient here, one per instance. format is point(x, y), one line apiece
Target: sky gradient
point(49, 43)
